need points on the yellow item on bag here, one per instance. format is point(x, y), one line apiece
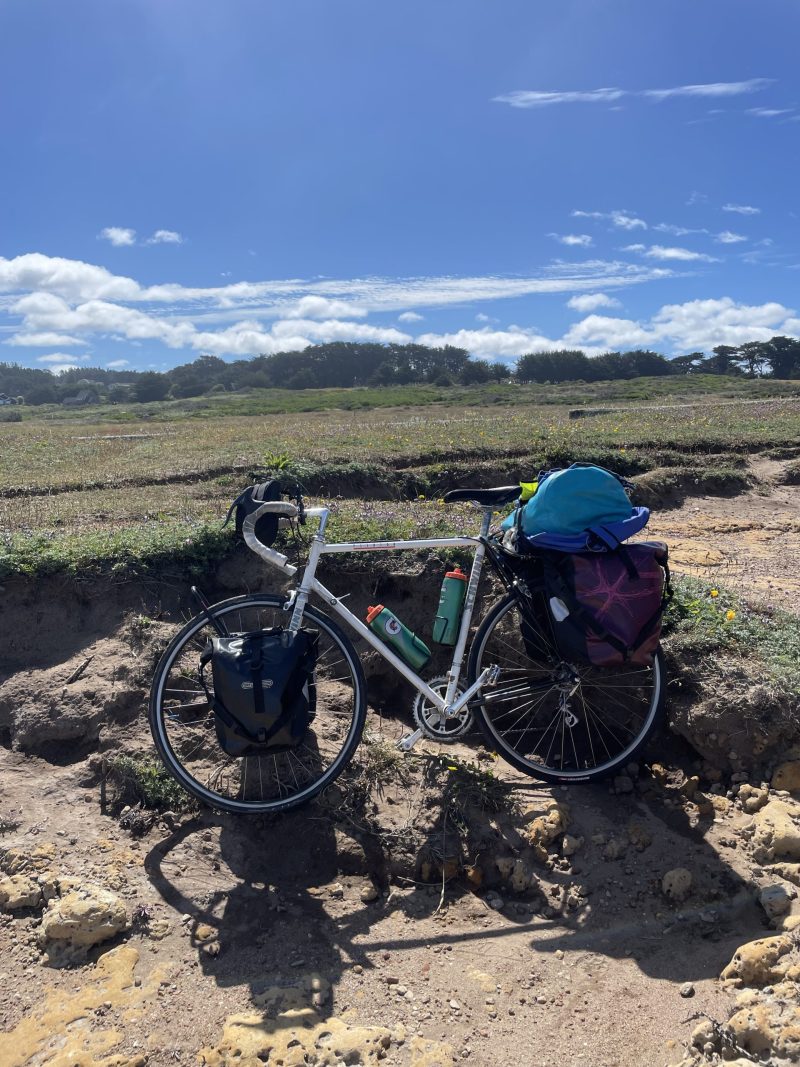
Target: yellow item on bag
point(528, 490)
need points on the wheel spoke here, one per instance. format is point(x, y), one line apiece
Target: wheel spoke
point(187, 740)
point(528, 714)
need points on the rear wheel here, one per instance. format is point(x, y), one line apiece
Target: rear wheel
point(182, 722)
point(554, 719)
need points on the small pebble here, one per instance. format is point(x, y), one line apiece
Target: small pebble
point(687, 989)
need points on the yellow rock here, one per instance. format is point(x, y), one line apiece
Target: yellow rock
point(83, 917)
point(777, 830)
point(295, 1038)
point(787, 776)
point(19, 891)
point(544, 829)
point(756, 963)
point(52, 1032)
point(769, 1027)
point(24, 861)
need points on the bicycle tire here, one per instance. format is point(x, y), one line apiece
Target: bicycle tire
point(526, 719)
point(238, 785)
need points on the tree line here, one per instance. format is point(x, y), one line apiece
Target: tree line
point(344, 364)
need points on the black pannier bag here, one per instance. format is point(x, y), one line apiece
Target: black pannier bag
point(250, 500)
point(606, 607)
point(264, 695)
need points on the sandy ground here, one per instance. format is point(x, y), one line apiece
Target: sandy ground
point(273, 919)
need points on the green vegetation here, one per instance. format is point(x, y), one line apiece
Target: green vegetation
point(89, 497)
point(345, 364)
point(706, 620)
point(144, 781)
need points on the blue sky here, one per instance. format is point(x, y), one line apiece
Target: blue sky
point(189, 176)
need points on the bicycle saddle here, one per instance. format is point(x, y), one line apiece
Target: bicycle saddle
point(504, 494)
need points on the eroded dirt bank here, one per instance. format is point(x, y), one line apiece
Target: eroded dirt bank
point(566, 933)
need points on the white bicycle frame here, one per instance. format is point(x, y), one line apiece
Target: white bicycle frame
point(449, 705)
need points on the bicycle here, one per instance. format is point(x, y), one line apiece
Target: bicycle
point(551, 719)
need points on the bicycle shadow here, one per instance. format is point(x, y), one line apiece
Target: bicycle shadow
point(272, 908)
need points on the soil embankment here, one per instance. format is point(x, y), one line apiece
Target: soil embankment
point(381, 924)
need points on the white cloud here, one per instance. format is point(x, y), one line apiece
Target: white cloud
point(752, 85)
point(319, 307)
point(43, 340)
point(592, 301)
point(685, 255)
point(621, 219)
point(165, 237)
point(769, 112)
point(44, 277)
point(696, 198)
point(68, 278)
point(579, 240)
point(410, 316)
point(729, 238)
point(678, 231)
point(118, 236)
point(491, 344)
point(741, 209)
point(538, 98)
point(51, 297)
point(61, 358)
point(697, 325)
point(116, 364)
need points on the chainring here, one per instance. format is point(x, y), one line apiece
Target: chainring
point(433, 723)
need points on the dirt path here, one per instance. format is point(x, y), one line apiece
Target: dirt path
point(235, 907)
point(750, 542)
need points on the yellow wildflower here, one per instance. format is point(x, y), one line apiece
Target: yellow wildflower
point(714, 593)
point(730, 615)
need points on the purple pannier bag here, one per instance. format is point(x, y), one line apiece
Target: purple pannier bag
point(606, 607)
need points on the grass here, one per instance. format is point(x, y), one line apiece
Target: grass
point(706, 620)
point(254, 402)
point(145, 781)
point(44, 457)
point(89, 497)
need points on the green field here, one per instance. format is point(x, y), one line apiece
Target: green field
point(77, 492)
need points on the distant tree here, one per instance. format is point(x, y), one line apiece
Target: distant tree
point(752, 358)
point(723, 361)
point(500, 371)
point(690, 363)
point(783, 356)
point(475, 372)
point(151, 386)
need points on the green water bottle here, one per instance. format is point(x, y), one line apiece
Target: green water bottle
point(451, 601)
point(406, 644)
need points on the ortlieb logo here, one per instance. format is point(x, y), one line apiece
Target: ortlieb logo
point(266, 683)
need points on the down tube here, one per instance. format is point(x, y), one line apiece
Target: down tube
point(363, 631)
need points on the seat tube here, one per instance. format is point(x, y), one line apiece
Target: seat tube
point(469, 604)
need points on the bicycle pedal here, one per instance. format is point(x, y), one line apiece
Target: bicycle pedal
point(406, 743)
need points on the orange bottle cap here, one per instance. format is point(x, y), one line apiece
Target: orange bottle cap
point(373, 612)
point(457, 573)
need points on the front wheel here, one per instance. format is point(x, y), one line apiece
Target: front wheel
point(553, 719)
point(182, 722)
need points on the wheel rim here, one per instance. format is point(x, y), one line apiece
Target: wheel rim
point(559, 718)
point(184, 722)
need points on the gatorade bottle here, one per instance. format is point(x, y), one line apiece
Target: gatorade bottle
point(406, 644)
point(451, 601)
